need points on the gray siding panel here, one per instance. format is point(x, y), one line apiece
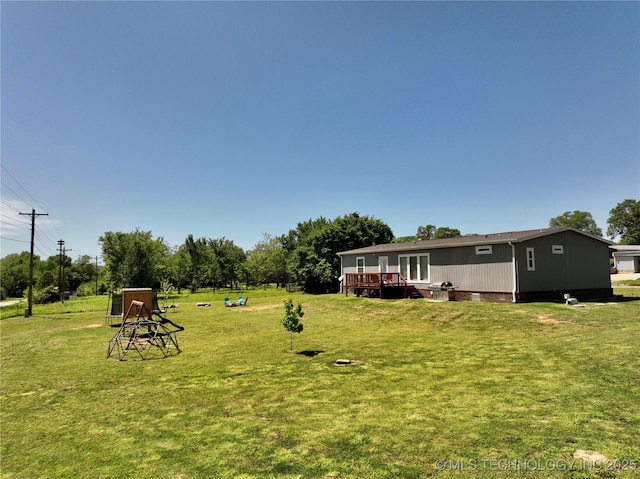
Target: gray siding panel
point(501, 253)
point(584, 263)
point(370, 263)
point(469, 271)
point(490, 277)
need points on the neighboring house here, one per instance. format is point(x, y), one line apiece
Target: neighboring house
point(626, 258)
point(534, 265)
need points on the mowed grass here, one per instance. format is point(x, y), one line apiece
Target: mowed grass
point(471, 384)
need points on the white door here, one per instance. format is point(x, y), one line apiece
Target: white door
point(383, 264)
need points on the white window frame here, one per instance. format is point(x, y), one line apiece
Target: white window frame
point(486, 249)
point(531, 259)
point(557, 249)
point(360, 269)
point(420, 276)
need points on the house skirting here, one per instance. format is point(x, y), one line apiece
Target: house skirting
point(579, 294)
point(521, 297)
point(484, 296)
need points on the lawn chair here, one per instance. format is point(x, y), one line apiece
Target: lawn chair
point(228, 303)
point(114, 309)
point(242, 301)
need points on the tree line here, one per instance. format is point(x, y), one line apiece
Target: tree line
point(306, 256)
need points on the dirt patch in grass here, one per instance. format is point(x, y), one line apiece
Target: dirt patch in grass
point(547, 319)
point(261, 308)
point(77, 328)
point(444, 316)
point(88, 326)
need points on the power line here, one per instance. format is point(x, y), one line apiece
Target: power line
point(22, 187)
point(7, 187)
point(11, 239)
point(15, 219)
point(48, 239)
point(43, 253)
point(15, 225)
point(9, 206)
point(26, 202)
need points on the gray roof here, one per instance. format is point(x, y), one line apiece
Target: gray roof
point(472, 240)
point(626, 250)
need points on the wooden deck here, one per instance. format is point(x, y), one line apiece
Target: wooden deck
point(375, 284)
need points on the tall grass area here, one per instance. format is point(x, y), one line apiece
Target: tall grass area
point(470, 384)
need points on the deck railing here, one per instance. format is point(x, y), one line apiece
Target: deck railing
point(361, 281)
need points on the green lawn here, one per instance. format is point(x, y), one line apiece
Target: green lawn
point(489, 388)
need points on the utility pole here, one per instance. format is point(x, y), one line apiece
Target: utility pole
point(63, 255)
point(96, 275)
point(60, 246)
point(33, 215)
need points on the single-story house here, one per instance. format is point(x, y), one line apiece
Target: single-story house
point(521, 266)
point(626, 258)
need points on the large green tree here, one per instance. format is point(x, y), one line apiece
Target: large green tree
point(446, 232)
point(46, 274)
point(197, 259)
point(14, 273)
point(81, 271)
point(180, 268)
point(228, 261)
point(132, 259)
point(580, 220)
point(52, 273)
point(425, 232)
point(314, 245)
point(206, 262)
point(429, 232)
point(624, 221)
point(266, 262)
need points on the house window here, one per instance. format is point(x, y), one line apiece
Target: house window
point(360, 264)
point(415, 267)
point(484, 249)
point(531, 259)
point(557, 249)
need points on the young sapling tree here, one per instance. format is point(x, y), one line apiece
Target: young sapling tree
point(291, 321)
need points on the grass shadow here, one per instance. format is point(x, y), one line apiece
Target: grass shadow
point(310, 353)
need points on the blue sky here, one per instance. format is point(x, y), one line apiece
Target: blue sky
point(236, 119)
